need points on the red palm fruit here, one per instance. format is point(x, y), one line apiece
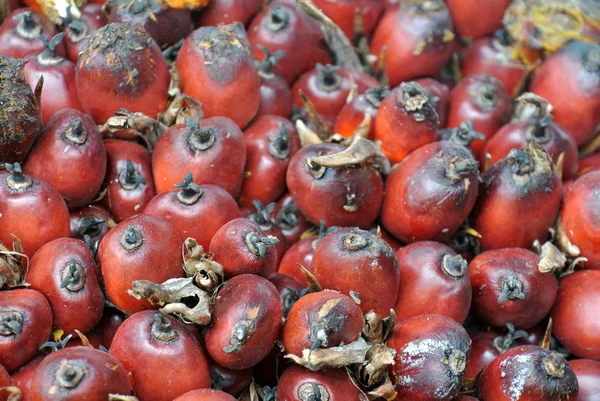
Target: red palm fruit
point(345, 12)
point(431, 193)
point(25, 324)
point(166, 25)
point(72, 145)
point(495, 57)
point(287, 216)
point(112, 319)
point(350, 195)
point(406, 120)
point(430, 269)
point(228, 380)
point(589, 164)
point(322, 319)
point(576, 100)
point(439, 93)
point(417, 37)
point(93, 221)
point(128, 179)
point(588, 377)
point(353, 114)
point(271, 141)
point(205, 149)
point(301, 252)
point(149, 342)
point(65, 272)
point(78, 30)
point(78, 373)
point(284, 26)
point(195, 211)
point(30, 210)
point(574, 315)
point(243, 248)
point(121, 67)
point(59, 79)
point(487, 345)
point(21, 31)
point(5, 382)
point(524, 186)
point(275, 92)
point(474, 19)
point(483, 100)
point(350, 259)
point(432, 352)
point(22, 377)
point(21, 120)
point(290, 289)
point(216, 68)
point(579, 226)
point(299, 384)
point(143, 247)
point(527, 373)
point(247, 314)
point(510, 287)
point(223, 12)
point(261, 217)
point(205, 394)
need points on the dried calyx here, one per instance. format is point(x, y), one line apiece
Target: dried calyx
point(531, 106)
point(327, 318)
point(73, 276)
point(11, 323)
point(355, 241)
point(456, 360)
point(551, 258)
point(77, 29)
point(591, 60)
point(12, 268)
point(360, 151)
point(206, 273)
point(69, 375)
point(506, 342)
point(262, 216)
point(92, 226)
point(162, 329)
point(189, 192)
point(287, 216)
point(376, 95)
point(278, 18)
point(538, 131)
point(457, 167)
point(374, 370)
point(279, 145)
point(132, 238)
point(265, 67)
point(485, 96)
point(415, 99)
point(49, 56)
point(554, 365)
point(76, 132)
point(529, 163)
point(327, 78)
point(16, 180)
point(125, 124)
point(465, 134)
point(313, 392)
point(28, 25)
point(512, 288)
point(377, 329)
point(200, 138)
point(454, 265)
point(258, 244)
point(242, 331)
point(130, 178)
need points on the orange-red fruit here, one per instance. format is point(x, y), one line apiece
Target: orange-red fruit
point(221, 12)
point(275, 92)
point(588, 377)
point(20, 32)
point(205, 394)
point(354, 113)
point(476, 18)
point(299, 384)
point(216, 68)
point(345, 12)
point(439, 95)
point(78, 30)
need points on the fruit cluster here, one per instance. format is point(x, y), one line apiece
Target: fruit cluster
point(300, 200)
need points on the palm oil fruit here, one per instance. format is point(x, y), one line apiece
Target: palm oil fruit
point(476, 18)
point(299, 384)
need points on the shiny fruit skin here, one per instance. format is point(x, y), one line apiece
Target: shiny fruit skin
point(343, 14)
point(19, 36)
point(508, 287)
point(93, 221)
point(483, 100)
point(432, 270)
point(31, 210)
point(440, 95)
point(250, 305)
point(522, 187)
point(129, 190)
point(22, 377)
point(121, 67)
point(574, 315)
point(297, 384)
point(65, 272)
point(352, 114)
point(431, 193)
point(589, 164)
point(579, 217)
point(418, 37)
point(72, 145)
point(350, 259)
point(205, 394)
point(334, 187)
point(301, 252)
point(588, 377)
point(287, 216)
point(77, 31)
point(101, 375)
point(225, 12)
point(271, 141)
point(521, 374)
point(475, 18)
point(216, 68)
point(406, 121)
point(112, 319)
point(576, 100)
point(34, 316)
point(148, 343)
point(204, 149)
point(482, 352)
point(275, 95)
point(143, 247)
point(329, 314)
point(432, 352)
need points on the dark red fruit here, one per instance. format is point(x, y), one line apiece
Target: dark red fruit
point(121, 67)
point(78, 30)
point(576, 325)
point(243, 248)
point(162, 358)
point(78, 373)
point(222, 12)
point(431, 193)
point(527, 373)
point(508, 287)
point(354, 113)
point(475, 18)
point(112, 319)
point(350, 259)
point(345, 13)
point(300, 253)
point(406, 120)
point(299, 384)
point(432, 353)
point(20, 33)
point(483, 100)
point(228, 380)
point(205, 394)
point(287, 216)
point(417, 37)
point(22, 377)
point(290, 289)
point(570, 80)
point(216, 68)
point(30, 210)
point(439, 95)
point(143, 247)
point(589, 164)
point(275, 92)
point(247, 313)
point(205, 149)
point(128, 180)
point(72, 145)
point(271, 141)
point(93, 221)
point(432, 270)
point(25, 324)
point(522, 187)
point(588, 377)
point(5, 382)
